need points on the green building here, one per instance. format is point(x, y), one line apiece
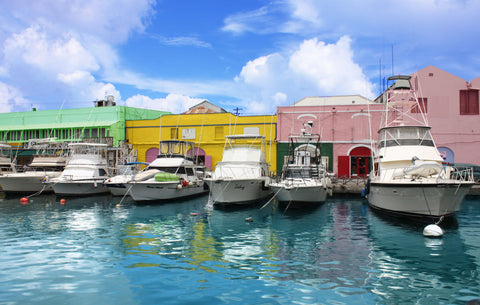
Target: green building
point(104, 123)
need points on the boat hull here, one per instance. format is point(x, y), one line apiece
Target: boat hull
point(418, 199)
point(77, 188)
point(117, 189)
point(27, 182)
point(238, 191)
point(150, 191)
point(300, 193)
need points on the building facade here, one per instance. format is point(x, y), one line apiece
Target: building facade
point(452, 108)
point(99, 123)
point(347, 123)
point(343, 123)
point(206, 130)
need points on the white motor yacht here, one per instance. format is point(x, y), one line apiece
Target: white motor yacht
point(304, 178)
point(7, 165)
point(48, 162)
point(85, 171)
point(172, 175)
point(118, 184)
point(243, 174)
point(408, 176)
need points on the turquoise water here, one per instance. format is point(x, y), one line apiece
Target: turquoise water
point(93, 251)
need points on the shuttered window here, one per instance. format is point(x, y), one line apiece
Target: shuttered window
point(469, 102)
point(422, 101)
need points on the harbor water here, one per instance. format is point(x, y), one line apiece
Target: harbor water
point(94, 250)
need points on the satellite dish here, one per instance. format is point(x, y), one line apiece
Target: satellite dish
point(110, 98)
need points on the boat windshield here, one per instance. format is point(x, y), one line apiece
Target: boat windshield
point(405, 135)
point(299, 173)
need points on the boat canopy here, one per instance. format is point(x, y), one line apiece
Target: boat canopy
point(401, 82)
point(405, 135)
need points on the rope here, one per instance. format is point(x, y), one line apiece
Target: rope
point(440, 220)
point(287, 206)
point(39, 192)
point(271, 198)
point(126, 193)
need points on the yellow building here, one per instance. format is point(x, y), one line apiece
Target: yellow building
point(206, 130)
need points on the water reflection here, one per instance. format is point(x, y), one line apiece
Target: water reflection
point(338, 252)
point(306, 247)
point(412, 268)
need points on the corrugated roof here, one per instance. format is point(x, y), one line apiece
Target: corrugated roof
point(58, 125)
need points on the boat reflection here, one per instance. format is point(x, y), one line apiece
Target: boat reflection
point(410, 268)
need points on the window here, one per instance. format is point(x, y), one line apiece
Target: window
point(174, 133)
point(422, 102)
point(219, 133)
point(251, 130)
point(469, 102)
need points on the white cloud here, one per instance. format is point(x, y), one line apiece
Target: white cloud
point(329, 68)
point(56, 52)
point(11, 99)
point(254, 20)
point(32, 47)
point(311, 68)
point(45, 67)
point(110, 20)
point(174, 103)
point(182, 41)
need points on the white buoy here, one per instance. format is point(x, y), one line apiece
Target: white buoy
point(432, 231)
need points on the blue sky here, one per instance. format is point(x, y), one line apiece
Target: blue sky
point(251, 54)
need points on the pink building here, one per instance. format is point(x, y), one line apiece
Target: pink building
point(343, 123)
point(452, 109)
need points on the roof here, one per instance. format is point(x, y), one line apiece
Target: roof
point(74, 118)
point(333, 100)
point(205, 107)
point(57, 125)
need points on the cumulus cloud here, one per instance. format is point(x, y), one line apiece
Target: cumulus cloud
point(45, 67)
point(110, 20)
point(11, 99)
point(330, 68)
point(312, 68)
point(174, 103)
point(55, 52)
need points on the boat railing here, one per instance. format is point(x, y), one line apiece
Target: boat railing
point(462, 174)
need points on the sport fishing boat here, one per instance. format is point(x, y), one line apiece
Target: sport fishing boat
point(48, 162)
point(7, 165)
point(85, 171)
point(243, 174)
point(408, 176)
point(172, 175)
point(118, 184)
point(304, 177)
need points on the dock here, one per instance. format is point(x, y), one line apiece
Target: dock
point(348, 186)
point(354, 186)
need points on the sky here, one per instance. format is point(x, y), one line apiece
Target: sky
point(247, 56)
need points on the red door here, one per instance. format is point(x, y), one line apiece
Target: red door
point(360, 162)
point(343, 167)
